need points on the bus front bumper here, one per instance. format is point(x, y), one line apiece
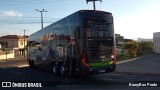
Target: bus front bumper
point(99, 70)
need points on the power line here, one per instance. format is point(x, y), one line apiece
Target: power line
point(20, 0)
point(27, 20)
point(5, 23)
point(27, 2)
point(2, 16)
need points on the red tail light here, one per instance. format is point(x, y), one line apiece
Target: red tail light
point(84, 59)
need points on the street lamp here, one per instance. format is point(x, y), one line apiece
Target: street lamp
point(94, 4)
point(41, 16)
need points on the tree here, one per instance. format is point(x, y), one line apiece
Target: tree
point(131, 47)
point(146, 46)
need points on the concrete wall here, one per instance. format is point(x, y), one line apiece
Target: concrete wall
point(10, 55)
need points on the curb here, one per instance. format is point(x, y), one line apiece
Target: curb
point(12, 59)
point(137, 73)
point(127, 60)
point(134, 73)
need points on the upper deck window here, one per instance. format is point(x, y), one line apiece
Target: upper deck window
point(99, 26)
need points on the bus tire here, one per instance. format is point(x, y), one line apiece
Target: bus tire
point(55, 68)
point(64, 71)
point(31, 63)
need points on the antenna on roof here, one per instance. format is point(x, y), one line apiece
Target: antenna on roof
point(94, 4)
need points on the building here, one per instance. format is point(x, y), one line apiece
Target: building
point(119, 44)
point(156, 42)
point(15, 43)
point(119, 40)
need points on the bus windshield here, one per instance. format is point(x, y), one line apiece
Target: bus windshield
point(99, 37)
point(99, 27)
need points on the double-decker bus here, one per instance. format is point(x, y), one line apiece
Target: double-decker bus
point(81, 43)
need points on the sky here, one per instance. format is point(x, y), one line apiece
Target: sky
point(132, 18)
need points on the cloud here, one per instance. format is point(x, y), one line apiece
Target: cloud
point(11, 13)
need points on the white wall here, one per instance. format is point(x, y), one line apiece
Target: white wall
point(156, 42)
point(10, 55)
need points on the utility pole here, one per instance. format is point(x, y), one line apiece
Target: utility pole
point(94, 3)
point(41, 16)
point(24, 42)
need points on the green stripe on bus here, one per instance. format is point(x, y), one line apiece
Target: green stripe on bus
point(100, 64)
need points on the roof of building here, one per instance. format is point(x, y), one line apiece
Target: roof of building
point(12, 37)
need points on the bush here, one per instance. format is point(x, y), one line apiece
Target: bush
point(140, 53)
point(5, 49)
point(123, 57)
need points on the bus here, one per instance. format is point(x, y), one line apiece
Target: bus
point(81, 43)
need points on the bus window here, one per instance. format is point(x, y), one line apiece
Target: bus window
point(35, 46)
point(99, 27)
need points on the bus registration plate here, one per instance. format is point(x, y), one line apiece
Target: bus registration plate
point(102, 71)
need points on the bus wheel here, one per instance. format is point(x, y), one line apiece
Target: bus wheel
point(64, 71)
point(55, 68)
point(31, 63)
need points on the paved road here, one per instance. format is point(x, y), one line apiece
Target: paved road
point(148, 64)
point(115, 80)
point(103, 81)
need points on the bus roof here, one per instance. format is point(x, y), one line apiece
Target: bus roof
point(78, 12)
